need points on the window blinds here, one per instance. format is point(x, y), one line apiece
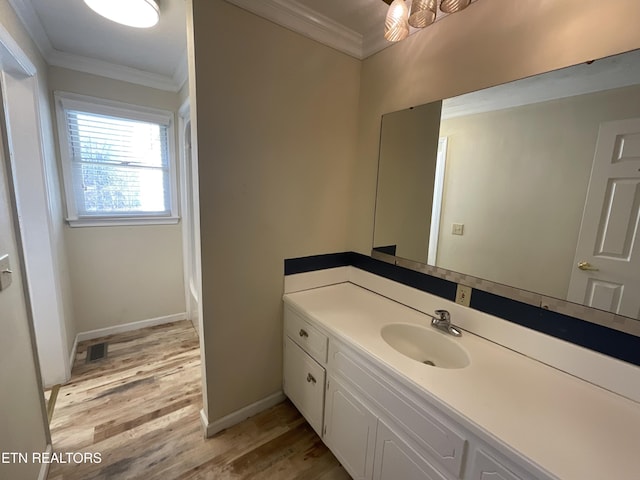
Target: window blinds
point(119, 166)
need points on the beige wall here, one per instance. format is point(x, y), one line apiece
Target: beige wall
point(276, 120)
point(408, 152)
point(517, 178)
point(22, 422)
point(276, 117)
point(122, 274)
point(492, 42)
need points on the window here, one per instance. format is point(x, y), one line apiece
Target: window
point(117, 162)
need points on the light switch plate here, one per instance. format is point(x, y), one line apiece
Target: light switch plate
point(457, 228)
point(463, 295)
point(5, 272)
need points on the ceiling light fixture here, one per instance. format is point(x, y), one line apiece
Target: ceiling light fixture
point(419, 14)
point(138, 13)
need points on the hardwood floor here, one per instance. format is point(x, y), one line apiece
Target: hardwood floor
point(139, 409)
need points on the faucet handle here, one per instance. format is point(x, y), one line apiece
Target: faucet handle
point(443, 314)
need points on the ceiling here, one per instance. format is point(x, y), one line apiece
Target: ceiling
point(71, 35)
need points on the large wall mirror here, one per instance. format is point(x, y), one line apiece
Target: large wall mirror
point(533, 184)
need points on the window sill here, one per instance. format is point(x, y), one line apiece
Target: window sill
point(121, 221)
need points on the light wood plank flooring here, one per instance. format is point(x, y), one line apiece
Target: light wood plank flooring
point(139, 408)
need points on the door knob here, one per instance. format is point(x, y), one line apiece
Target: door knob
point(587, 266)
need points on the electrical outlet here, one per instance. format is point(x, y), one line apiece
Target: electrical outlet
point(463, 295)
point(457, 229)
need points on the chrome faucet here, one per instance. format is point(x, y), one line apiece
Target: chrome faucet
point(443, 322)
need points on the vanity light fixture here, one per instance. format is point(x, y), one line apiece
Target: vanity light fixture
point(133, 13)
point(417, 14)
point(396, 25)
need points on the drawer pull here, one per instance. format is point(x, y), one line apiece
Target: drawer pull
point(311, 379)
point(303, 333)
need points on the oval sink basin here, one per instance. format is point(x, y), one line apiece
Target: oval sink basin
point(425, 345)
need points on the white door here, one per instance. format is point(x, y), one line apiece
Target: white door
point(40, 234)
point(606, 271)
point(23, 416)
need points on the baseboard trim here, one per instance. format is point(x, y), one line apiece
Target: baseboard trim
point(127, 327)
point(44, 467)
point(238, 416)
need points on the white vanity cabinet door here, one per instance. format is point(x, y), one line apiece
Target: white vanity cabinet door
point(350, 430)
point(441, 438)
point(303, 382)
point(395, 459)
point(486, 467)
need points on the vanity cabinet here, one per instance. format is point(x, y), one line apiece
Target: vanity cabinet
point(378, 427)
point(378, 432)
point(487, 467)
point(305, 352)
point(366, 445)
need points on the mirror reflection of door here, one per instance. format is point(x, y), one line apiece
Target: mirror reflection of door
point(438, 195)
point(607, 260)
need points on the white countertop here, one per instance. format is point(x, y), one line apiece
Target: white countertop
point(568, 427)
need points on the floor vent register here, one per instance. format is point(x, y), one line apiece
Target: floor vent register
point(97, 352)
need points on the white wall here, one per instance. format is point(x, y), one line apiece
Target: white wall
point(276, 116)
point(122, 274)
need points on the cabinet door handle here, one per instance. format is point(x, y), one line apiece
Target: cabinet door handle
point(311, 379)
point(303, 333)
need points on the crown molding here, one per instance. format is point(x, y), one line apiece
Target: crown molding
point(31, 22)
point(29, 18)
point(373, 41)
point(112, 70)
point(307, 22)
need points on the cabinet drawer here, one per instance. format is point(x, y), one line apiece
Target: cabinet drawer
point(312, 340)
point(437, 439)
point(303, 382)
